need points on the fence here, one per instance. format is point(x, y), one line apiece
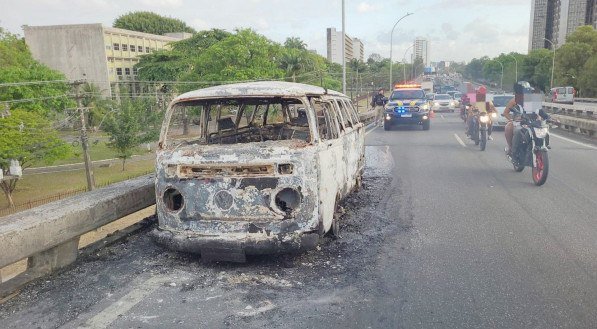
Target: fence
point(62, 195)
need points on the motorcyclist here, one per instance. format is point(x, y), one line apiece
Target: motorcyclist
point(378, 102)
point(512, 113)
point(489, 108)
point(509, 128)
point(464, 102)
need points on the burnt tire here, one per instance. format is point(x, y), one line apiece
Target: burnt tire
point(334, 231)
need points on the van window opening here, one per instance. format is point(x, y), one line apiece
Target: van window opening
point(231, 121)
point(327, 122)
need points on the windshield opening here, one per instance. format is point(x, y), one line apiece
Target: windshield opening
point(442, 97)
point(231, 121)
point(500, 101)
point(407, 94)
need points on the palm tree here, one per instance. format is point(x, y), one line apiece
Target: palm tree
point(293, 62)
point(295, 43)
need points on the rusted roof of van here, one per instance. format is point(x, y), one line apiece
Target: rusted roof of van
point(253, 89)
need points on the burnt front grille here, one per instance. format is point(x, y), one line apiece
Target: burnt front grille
point(217, 170)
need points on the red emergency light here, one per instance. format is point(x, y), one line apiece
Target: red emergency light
point(409, 85)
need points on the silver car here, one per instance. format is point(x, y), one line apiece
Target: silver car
point(443, 103)
point(500, 102)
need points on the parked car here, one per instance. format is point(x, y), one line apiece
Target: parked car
point(443, 103)
point(266, 179)
point(562, 95)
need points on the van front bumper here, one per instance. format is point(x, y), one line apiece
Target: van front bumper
point(234, 247)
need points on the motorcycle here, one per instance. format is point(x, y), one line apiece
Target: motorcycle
point(463, 112)
point(531, 147)
point(480, 127)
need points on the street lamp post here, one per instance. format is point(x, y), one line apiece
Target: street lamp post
point(343, 48)
point(516, 67)
point(391, 46)
point(404, 62)
point(553, 61)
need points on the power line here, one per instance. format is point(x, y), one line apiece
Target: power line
point(28, 83)
point(26, 100)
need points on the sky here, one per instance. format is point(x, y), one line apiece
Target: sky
point(457, 30)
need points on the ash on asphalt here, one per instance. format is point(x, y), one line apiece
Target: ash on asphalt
point(265, 291)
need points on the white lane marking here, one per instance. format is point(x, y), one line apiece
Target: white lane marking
point(573, 141)
point(104, 318)
point(370, 130)
point(441, 115)
point(459, 140)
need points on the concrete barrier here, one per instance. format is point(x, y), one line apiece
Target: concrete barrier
point(586, 100)
point(367, 117)
point(48, 236)
point(577, 125)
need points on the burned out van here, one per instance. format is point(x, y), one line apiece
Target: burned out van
point(255, 168)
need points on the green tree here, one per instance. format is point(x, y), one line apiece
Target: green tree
point(162, 65)
point(588, 80)
point(570, 61)
point(134, 123)
point(199, 42)
point(98, 105)
point(27, 137)
point(536, 68)
point(244, 55)
point(148, 22)
point(474, 69)
point(171, 65)
point(17, 65)
point(584, 34)
point(295, 43)
point(293, 61)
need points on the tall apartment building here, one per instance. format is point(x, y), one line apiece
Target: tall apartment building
point(421, 50)
point(98, 54)
point(556, 19)
point(354, 47)
point(358, 49)
point(574, 13)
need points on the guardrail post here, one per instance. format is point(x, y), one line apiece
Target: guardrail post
point(52, 259)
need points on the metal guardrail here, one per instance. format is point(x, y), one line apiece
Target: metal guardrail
point(578, 118)
point(587, 110)
point(48, 236)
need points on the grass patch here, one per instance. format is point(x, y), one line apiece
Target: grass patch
point(34, 187)
point(97, 151)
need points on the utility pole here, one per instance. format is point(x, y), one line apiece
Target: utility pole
point(84, 138)
point(343, 47)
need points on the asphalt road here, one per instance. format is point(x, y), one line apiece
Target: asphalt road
point(441, 236)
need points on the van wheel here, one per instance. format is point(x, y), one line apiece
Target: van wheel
point(358, 182)
point(334, 231)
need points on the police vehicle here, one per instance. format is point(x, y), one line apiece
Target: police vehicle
point(407, 106)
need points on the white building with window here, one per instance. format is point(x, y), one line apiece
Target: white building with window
point(98, 54)
point(421, 50)
point(354, 47)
